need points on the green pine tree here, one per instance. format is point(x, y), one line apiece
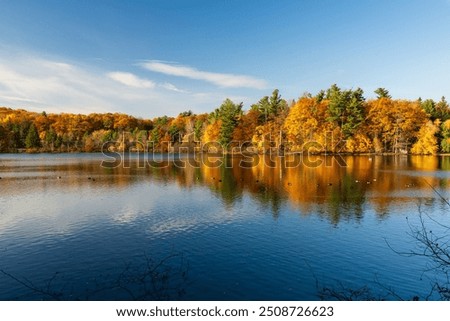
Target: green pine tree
point(228, 113)
point(382, 93)
point(346, 108)
point(32, 139)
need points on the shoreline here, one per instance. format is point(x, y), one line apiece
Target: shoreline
point(218, 154)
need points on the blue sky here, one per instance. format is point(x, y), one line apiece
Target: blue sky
point(150, 58)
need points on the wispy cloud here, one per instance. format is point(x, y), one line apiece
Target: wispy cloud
point(172, 87)
point(131, 80)
point(36, 83)
point(40, 84)
point(219, 79)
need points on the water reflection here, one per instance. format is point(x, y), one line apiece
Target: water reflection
point(319, 185)
point(247, 226)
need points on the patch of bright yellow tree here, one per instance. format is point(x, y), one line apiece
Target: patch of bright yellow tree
point(334, 120)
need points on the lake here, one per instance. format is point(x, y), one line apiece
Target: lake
point(186, 227)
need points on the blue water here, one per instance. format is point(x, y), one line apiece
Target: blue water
point(71, 229)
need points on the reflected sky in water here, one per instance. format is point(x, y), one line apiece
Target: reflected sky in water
point(252, 228)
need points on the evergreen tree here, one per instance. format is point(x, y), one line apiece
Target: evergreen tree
point(228, 113)
point(17, 140)
point(346, 108)
point(262, 106)
point(430, 108)
point(382, 93)
point(442, 110)
point(276, 103)
point(320, 96)
point(270, 107)
point(50, 137)
point(3, 139)
point(439, 110)
point(198, 129)
point(32, 139)
point(175, 133)
point(445, 142)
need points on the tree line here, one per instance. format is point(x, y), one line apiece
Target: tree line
point(333, 120)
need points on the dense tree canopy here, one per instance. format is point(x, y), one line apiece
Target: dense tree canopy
point(333, 120)
point(345, 109)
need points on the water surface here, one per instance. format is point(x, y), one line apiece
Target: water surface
point(261, 228)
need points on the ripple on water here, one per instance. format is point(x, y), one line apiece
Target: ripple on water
point(242, 239)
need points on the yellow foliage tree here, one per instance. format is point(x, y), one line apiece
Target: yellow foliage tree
point(211, 136)
point(359, 143)
point(393, 122)
point(427, 142)
point(303, 120)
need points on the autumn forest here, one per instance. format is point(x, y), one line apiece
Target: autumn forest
point(335, 120)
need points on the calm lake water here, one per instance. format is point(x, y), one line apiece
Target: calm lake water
point(243, 229)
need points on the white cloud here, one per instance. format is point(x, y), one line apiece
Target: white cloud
point(35, 83)
point(19, 99)
point(131, 80)
point(219, 79)
point(172, 87)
